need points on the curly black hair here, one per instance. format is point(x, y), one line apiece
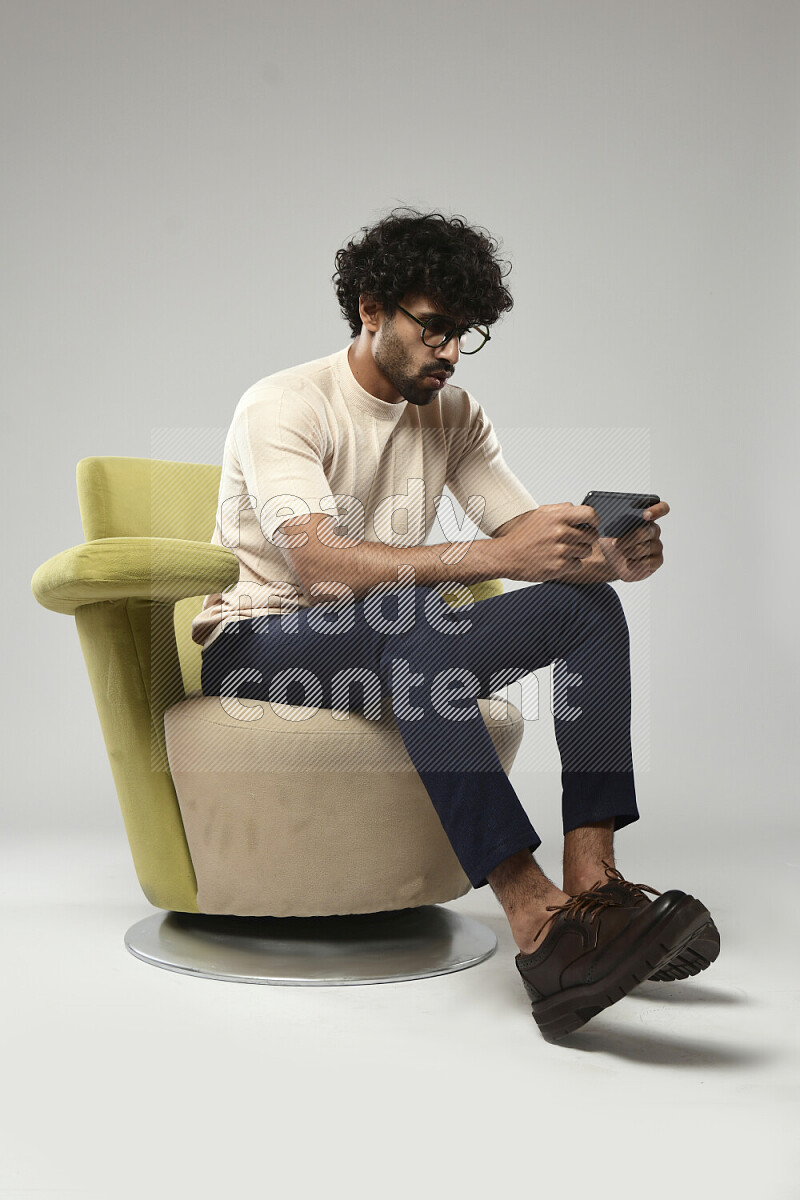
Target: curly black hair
point(442, 257)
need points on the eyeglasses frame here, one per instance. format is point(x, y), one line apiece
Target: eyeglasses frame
point(460, 330)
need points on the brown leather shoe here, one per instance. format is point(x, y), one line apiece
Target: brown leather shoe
point(597, 951)
point(692, 959)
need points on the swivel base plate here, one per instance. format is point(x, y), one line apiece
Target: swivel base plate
point(385, 947)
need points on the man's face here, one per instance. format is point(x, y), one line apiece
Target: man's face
point(408, 364)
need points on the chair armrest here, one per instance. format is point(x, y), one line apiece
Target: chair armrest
point(118, 568)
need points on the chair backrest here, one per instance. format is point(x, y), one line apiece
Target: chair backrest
point(144, 497)
point(140, 656)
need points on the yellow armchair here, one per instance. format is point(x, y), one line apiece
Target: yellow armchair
point(134, 587)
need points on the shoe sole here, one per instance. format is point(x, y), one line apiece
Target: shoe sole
point(665, 939)
point(699, 954)
point(702, 951)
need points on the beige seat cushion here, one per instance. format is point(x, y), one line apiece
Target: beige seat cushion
point(294, 811)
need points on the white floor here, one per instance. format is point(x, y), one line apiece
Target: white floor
point(121, 1079)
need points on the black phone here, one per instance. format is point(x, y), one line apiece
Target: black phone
point(619, 512)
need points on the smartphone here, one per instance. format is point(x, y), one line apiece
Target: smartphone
point(619, 512)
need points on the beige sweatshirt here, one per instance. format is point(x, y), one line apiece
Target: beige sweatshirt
point(311, 439)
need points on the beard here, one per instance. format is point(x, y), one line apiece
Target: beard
point(391, 357)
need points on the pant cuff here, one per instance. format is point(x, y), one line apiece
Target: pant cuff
point(597, 795)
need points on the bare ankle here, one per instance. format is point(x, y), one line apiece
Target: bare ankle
point(585, 876)
point(587, 849)
point(526, 894)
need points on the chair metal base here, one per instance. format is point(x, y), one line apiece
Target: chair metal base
point(385, 947)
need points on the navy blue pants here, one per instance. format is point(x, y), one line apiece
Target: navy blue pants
point(406, 646)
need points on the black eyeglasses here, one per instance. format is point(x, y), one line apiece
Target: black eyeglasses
point(438, 330)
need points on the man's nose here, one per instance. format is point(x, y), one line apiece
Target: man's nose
point(449, 351)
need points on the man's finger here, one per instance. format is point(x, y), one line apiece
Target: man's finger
point(584, 514)
point(656, 510)
point(577, 538)
point(641, 534)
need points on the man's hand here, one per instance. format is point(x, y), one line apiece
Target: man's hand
point(639, 553)
point(546, 542)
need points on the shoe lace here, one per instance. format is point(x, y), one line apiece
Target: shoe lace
point(637, 889)
point(590, 902)
point(586, 904)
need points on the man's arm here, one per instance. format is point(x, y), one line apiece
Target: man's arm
point(320, 558)
point(327, 565)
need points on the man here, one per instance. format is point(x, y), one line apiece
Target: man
point(315, 460)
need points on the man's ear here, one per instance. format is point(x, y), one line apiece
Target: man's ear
point(371, 312)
